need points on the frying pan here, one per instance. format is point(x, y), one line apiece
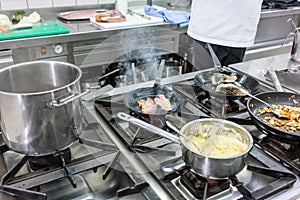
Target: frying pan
point(203, 80)
point(130, 99)
point(207, 166)
point(284, 98)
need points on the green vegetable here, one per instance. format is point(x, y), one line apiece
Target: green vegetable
point(18, 15)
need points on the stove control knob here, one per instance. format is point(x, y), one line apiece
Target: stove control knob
point(58, 48)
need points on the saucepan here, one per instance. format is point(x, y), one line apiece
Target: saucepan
point(199, 146)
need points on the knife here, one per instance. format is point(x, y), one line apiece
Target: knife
point(139, 14)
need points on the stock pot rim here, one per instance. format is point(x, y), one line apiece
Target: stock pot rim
point(77, 79)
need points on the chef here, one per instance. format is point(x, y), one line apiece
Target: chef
point(229, 26)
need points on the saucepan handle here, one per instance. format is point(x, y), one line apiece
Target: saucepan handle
point(149, 127)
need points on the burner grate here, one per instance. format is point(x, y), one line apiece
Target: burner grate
point(199, 187)
point(194, 107)
point(287, 153)
point(40, 162)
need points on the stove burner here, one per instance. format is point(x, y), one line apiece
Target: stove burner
point(40, 162)
point(230, 106)
point(200, 187)
point(213, 106)
point(158, 121)
point(287, 152)
point(121, 73)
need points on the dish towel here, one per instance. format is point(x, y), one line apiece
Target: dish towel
point(173, 17)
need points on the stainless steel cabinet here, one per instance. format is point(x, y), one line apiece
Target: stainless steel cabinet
point(5, 58)
point(108, 50)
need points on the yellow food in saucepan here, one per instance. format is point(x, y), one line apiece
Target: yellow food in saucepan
point(220, 147)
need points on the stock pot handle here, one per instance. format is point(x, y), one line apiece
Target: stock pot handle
point(64, 101)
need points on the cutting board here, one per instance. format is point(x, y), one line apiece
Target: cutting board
point(78, 14)
point(40, 29)
point(131, 20)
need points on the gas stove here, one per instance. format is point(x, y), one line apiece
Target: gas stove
point(91, 168)
point(115, 160)
point(266, 175)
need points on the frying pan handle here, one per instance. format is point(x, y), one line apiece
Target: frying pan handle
point(275, 80)
point(214, 57)
point(149, 127)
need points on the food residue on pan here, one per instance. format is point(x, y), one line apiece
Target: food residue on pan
point(229, 88)
point(289, 117)
point(227, 144)
point(219, 78)
point(150, 106)
point(224, 84)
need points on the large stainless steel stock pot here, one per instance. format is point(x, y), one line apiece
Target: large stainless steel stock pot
point(40, 106)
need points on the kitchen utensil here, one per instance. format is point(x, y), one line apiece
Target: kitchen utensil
point(213, 133)
point(289, 78)
point(212, 140)
point(108, 74)
point(179, 133)
point(203, 80)
point(275, 80)
point(79, 14)
point(40, 29)
point(40, 106)
point(285, 98)
point(274, 111)
point(157, 81)
point(139, 14)
point(131, 21)
point(216, 61)
point(97, 93)
point(210, 167)
point(295, 53)
point(147, 126)
point(130, 99)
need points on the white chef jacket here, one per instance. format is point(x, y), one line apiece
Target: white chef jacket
point(225, 22)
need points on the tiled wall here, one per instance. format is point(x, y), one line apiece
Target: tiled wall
point(25, 4)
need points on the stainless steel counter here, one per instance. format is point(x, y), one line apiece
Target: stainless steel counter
point(83, 30)
point(85, 42)
point(258, 68)
point(79, 30)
